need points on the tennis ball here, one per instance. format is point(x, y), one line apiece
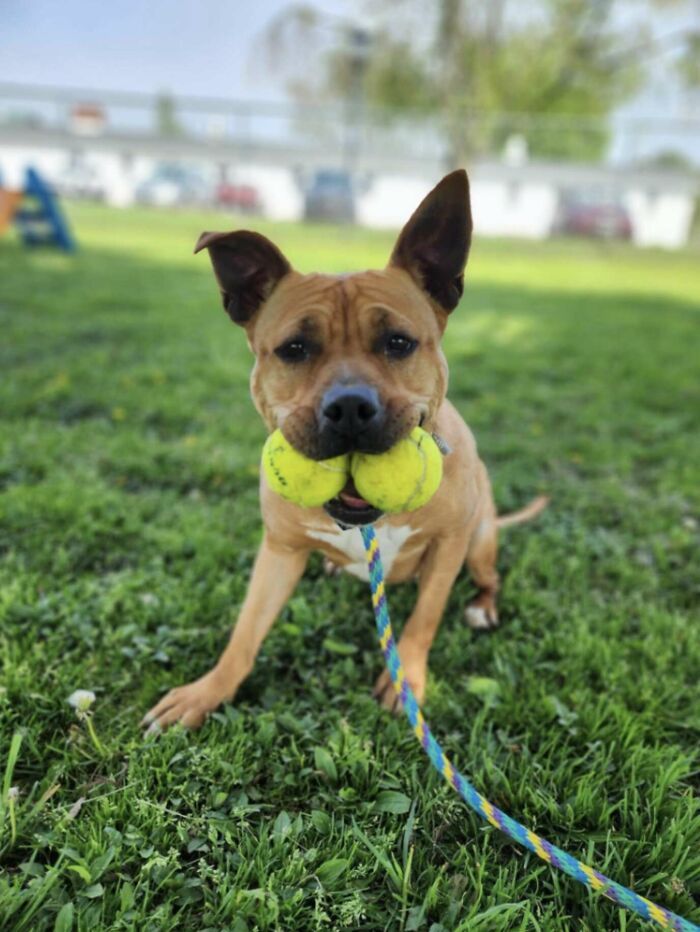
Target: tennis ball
point(309, 483)
point(402, 479)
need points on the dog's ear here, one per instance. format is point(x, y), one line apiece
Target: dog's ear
point(434, 245)
point(248, 268)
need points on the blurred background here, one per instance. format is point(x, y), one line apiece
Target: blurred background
point(574, 117)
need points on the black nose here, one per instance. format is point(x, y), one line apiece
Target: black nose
point(350, 409)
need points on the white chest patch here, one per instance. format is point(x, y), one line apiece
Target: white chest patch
point(349, 541)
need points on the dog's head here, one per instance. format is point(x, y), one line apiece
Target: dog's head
point(352, 362)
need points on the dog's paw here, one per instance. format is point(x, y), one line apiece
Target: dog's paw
point(188, 705)
point(388, 698)
point(481, 617)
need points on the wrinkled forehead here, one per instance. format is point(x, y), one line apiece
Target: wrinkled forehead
point(344, 308)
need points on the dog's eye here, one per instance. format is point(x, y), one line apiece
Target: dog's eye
point(399, 346)
point(294, 350)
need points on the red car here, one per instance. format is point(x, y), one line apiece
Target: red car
point(239, 197)
point(593, 214)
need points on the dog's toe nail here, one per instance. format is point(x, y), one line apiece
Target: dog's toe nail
point(155, 728)
point(147, 719)
point(479, 619)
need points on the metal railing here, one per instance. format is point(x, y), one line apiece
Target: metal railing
point(367, 137)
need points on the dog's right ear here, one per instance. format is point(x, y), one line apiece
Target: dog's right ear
point(248, 268)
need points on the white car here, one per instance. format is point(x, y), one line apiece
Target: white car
point(82, 182)
point(172, 185)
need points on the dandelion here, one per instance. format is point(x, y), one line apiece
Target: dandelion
point(82, 700)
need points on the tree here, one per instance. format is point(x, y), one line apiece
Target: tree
point(689, 64)
point(551, 71)
point(301, 34)
point(167, 122)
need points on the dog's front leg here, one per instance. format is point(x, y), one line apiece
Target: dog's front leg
point(438, 572)
point(275, 574)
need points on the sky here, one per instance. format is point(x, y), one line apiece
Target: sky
point(183, 46)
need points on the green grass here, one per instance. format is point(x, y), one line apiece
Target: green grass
point(129, 523)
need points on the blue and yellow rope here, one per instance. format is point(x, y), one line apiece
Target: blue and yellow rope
point(542, 848)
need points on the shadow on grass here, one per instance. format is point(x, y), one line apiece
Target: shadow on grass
point(138, 355)
point(114, 310)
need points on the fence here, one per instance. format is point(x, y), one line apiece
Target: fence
point(355, 137)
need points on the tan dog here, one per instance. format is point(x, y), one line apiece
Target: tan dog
point(354, 363)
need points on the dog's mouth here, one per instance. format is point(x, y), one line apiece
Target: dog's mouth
point(350, 509)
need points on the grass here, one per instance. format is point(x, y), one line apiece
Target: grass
point(129, 523)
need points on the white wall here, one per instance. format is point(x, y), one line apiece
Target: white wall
point(119, 181)
point(527, 209)
point(14, 161)
point(279, 192)
point(389, 201)
point(513, 209)
point(660, 219)
point(501, 207)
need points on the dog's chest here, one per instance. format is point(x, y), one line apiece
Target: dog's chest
point(349, 541)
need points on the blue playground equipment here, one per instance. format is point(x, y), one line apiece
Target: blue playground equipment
point(37, 214)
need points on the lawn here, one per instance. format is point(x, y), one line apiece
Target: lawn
point(128, 526)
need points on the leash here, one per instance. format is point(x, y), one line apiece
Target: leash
point(514, 830)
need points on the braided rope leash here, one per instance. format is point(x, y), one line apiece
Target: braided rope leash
point(542, 848)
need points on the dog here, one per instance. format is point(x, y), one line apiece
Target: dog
point(353, 363)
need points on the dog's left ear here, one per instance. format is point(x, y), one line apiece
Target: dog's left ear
point(248, 268)
point(434, 245)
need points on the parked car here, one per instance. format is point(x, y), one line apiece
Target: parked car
point(330, 196)
point(172, 185)
point(80, 181)
point(594, 214)
point(243, 198)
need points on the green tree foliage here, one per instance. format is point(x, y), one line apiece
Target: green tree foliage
point(689, 64)
point(505, 66)
point(167, 122)
point(551, 71)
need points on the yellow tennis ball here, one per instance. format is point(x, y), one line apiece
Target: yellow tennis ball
point(402, 479)
point(309, 483)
